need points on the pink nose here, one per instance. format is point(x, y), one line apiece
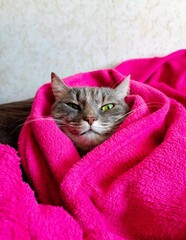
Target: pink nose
point(90, 119)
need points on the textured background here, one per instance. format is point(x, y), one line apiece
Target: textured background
point(68, 36)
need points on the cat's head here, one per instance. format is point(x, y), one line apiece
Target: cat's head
point(88, 115)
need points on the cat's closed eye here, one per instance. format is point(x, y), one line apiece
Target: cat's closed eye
point(74, 106)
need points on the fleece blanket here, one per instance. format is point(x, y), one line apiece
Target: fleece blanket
point(131, 187)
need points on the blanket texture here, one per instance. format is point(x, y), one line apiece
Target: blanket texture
point(131, 187)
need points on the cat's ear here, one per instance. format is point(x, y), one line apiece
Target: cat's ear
point(58, 86)
point(123, 89)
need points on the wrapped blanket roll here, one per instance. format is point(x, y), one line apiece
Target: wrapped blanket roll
point(131, 187)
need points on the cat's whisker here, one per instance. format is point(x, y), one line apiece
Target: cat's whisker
point(16, 129)
point(39, 119)
point(16, 122)
point(23, 121)
point(139, 108)
point(77, 126)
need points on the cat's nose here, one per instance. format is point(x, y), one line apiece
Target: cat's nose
point(90, 119)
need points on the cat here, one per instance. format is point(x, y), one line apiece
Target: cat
point(88, 115)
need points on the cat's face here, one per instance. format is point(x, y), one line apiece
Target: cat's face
point(88, 115)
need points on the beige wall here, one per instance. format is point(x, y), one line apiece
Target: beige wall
point(68, 36)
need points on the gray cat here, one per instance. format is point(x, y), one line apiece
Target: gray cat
point(88, 115)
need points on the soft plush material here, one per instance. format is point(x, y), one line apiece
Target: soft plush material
point(131, 187)
point(168, 74)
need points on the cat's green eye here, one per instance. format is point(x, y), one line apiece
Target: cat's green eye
point(107, 107)
point(74, 106)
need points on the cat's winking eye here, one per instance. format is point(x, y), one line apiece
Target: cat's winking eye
point(74, 106)
point(107, 107)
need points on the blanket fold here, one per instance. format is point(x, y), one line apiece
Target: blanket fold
point(164, 73)
point(131, 187)
point(21, 217)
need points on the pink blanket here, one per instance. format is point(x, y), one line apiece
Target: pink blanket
point(131, 187)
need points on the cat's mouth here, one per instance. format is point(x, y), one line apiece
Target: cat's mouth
point(90, 131)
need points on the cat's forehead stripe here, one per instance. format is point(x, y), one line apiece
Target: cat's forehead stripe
point(88, 93)
point(92, 95)
point(77, 94)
